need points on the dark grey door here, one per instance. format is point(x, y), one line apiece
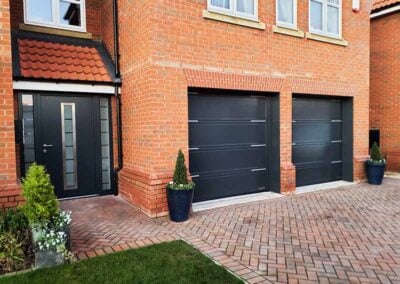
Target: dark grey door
point(228, 144)
point(68, 143)
point(317, 140)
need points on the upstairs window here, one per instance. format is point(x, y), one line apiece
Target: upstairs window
point(239, 8)
point(326, 17)
point(64, 14)
point(286, 13)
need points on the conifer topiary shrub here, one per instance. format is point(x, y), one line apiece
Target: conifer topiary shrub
point(180, 180)
point(41, 202)
point(376, 155)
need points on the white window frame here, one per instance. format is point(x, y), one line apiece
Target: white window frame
point(233, 10)
point(56, 17)
point(324, 31)
point(284, 24)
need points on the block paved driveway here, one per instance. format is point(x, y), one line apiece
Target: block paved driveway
point(345, 235)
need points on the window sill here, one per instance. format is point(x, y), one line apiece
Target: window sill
point(54, 31)
point(326, 39)
point(233, 20)
point(287, 31)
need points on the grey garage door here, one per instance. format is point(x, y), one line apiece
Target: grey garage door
point(228, 145)
point(317, 140)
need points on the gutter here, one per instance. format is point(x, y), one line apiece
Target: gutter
point(385, 12)
point(117, 95)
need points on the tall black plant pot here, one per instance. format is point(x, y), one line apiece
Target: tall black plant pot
point(179, 204)
point(375, 173)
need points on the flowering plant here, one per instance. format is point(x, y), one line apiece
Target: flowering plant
point(52, 240)
point(62, 220)
point(54, 237)
point(187, 186)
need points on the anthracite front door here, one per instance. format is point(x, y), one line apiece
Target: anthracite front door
point(69, 143)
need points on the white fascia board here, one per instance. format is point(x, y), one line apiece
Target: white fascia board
point(385, 12)
point(63, 87)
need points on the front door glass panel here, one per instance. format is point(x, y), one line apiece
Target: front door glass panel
point(68, 131)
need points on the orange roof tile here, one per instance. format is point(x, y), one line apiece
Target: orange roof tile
point(50, 60)
point(378, 4)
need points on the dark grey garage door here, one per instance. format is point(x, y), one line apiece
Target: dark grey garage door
point(317, 140)
point(228, 144)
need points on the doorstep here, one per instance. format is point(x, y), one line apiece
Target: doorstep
point(222, 202)
point(392, 175)
point(323, 186)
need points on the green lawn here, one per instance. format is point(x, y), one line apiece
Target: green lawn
point(174, 262)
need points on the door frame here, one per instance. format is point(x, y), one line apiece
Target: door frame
point(36, 96)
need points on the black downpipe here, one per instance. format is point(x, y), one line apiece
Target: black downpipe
point(117, 95)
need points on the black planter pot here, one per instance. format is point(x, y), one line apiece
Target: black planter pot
point(375, 173)
point(179, 204)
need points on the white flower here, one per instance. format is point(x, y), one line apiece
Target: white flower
point(171, 182)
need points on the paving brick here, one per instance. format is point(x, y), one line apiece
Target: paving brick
point(276, 229)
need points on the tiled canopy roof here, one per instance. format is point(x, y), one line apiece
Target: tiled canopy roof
point(379, 4)
point(45, 59)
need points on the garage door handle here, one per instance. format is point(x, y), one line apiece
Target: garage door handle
point(259, 170)
point(195, 176)
point(258, 145)
point(194, 149)
point(258, 120)
point(336, 141)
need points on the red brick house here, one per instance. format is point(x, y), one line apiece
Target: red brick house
point(385, 84)
point(261, 95)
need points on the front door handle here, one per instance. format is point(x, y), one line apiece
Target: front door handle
point(47, 146)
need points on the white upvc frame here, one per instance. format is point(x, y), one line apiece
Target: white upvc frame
point(56, 16)
point(233, 10)
point(324, 31)
point(283, 24)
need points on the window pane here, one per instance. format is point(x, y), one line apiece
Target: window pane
point(69, 147)
point(285, 11)
point(316, 15)
point(28, 131)
point(333, 20)
point(221, 3)
point(245, 6)
point(70, 14)
point(39, 11)
point(105, 142)
point(336, 2)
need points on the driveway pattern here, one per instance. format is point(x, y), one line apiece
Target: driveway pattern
point(344, 235)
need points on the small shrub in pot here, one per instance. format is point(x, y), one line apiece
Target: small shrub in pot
point(49, 225)
point(180, 192)
point(375, 166)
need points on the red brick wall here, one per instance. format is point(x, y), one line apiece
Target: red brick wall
point(107, 27)
point(9, 189)
point(385, 85)
point(167, 46)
